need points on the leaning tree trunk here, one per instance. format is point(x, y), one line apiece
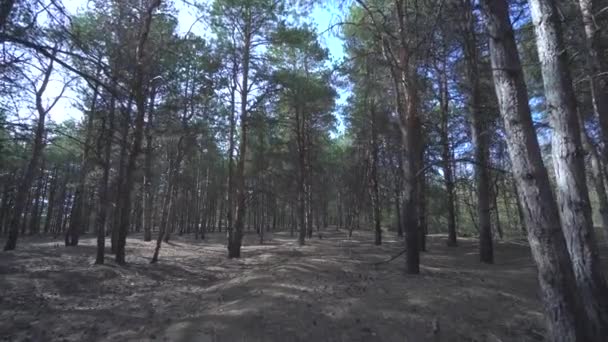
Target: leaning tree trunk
point(569, 165)
point(564, 315)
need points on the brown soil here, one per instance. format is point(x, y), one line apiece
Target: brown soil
point(329, 290)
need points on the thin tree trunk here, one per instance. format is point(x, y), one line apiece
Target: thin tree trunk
point(149, 160)
point(448, 177)
point(598, 83)
point(25, 184)
point(104, 195)
point(235, 236)
point(140, 103)
point(481, 140)
point(597, 176)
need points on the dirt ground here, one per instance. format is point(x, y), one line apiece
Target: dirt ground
point(329, 290)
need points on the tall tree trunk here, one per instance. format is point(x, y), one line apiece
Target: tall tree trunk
point(410, 131)
point(598, 83)
point(481, 139)
point(139, 89)
point(422, 222)
point(597, 176)
point(25, 184)
point(375, 182)
point(105, 148)
point(149, 160)
point(235, 236)
point(564, 315)
point(568, 162)
point(446, 154)
point(78, 219)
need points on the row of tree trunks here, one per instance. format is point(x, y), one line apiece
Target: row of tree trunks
point(568, 163)
point(566, 318)
point(33, 166)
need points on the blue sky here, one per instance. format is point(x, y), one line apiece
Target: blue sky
point(322, 16)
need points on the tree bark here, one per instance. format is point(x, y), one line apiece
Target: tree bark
point(25, 184)
point(375, 182)
point(446, 154)
point(597, 176)
point(149, 160)
point(105, 147)
point(235, 237)
point(140, 103)
point(481, 140)
point(598, 83)
point(564, 315)
point(568, 163)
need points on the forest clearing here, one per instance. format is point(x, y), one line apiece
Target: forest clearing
point(304, 170)
point(333, 289)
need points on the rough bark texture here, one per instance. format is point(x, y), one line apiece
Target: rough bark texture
point(568, 163)
point(548, 245)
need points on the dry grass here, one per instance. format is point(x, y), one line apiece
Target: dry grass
point(329, 290)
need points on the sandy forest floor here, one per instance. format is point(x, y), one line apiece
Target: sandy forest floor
point(329, 290)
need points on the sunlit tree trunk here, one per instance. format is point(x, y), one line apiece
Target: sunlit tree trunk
point(564, 315)
point(569, 166)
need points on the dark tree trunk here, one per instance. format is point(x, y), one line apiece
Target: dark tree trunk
point(148, 202)
point(375, 182)
point(105, 149)
point(139, 89)
point(597, 177)
point(446, 155)
point(598, 82)
point(25, 184)
point(481, 140)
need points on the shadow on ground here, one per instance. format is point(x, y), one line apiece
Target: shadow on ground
point(332, 289)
